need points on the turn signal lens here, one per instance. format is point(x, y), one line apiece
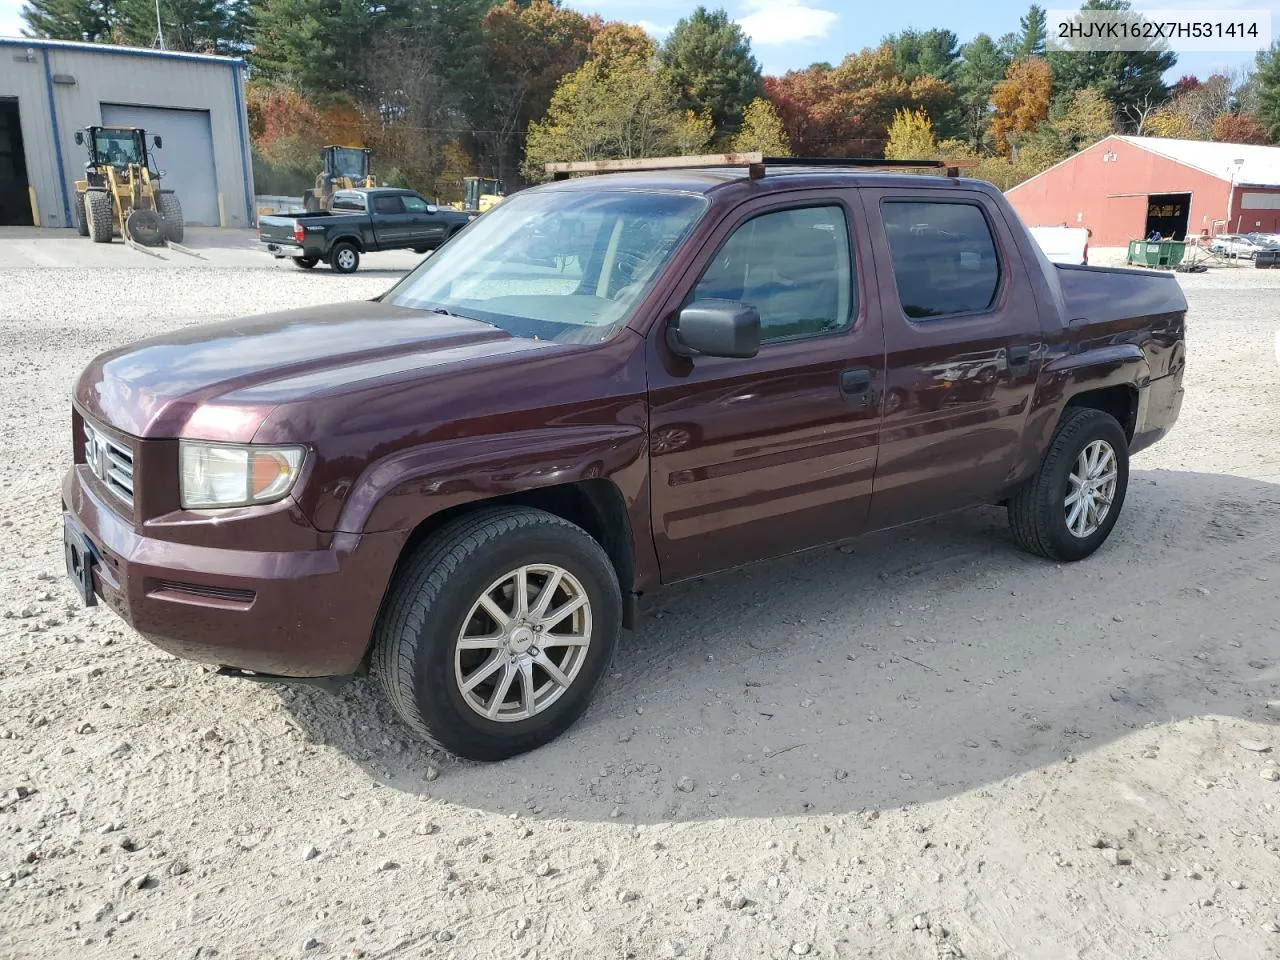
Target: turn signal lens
point(228, 475)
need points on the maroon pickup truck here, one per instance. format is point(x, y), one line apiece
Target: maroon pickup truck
point(603, 386)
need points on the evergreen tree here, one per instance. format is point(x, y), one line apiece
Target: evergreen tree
point(198, 26)
point(708, 57)
point(1128, 79)
point(70, 19)
point(982, 66)
point(1034, 32)
point(929, 53)
point(1268, 77)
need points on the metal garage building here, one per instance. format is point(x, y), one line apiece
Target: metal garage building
point(49, 89)
point(1123, 188)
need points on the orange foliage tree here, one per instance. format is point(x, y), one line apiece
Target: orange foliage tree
point(1238, 128)
point(847, 110)
point(1021, 100)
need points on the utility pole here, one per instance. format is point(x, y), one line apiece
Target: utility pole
point(159, 38)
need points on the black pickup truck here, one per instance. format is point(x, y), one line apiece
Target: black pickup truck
point(361, 221)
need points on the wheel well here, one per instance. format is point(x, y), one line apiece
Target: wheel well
point(354, 241)
point(594, 505)
point(1121, 402)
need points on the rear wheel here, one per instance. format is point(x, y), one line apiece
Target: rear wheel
point(100, 216)
point(1068, 509)
point(82, 223)
point(170, 208)
point(344, 257)
point(305, 263)
point(497, 630)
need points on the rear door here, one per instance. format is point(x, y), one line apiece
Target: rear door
point(962, 335)
point(428, 224)
point(392, 225)
point(758, 457)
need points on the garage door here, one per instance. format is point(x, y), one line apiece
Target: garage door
point(186, 160)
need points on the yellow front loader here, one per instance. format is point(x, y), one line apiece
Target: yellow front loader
point(121, 193)
point(342, 168)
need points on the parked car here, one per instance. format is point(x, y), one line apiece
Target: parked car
point(464, 485)
point(1241, 246)
point(360, 221)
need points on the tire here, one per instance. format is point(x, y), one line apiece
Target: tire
point(305, 263)
point(344, 257)
point(82, 223)
point(1039, 514)
point(100, 215)
point(421, 250)
point(435, 599)
point(170, 208)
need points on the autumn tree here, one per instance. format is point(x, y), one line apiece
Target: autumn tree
point(846, 110)
point(1238, 128)
point(616, 42)
point(529, 48)
point(910, 136)
point(709, 59)
point(1268, 80)
point(1086, 119)
point(1168, 122)
point(762, 131)
point(619, 110)
point(1021, 101)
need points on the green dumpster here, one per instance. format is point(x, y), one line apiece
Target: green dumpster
point(1177, 250)
point(1156, 253)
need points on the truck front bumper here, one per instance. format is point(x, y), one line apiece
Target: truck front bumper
point(304, 614)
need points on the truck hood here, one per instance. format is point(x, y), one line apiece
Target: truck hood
point(220, 381)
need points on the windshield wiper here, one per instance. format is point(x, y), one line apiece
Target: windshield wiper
point(441, 311)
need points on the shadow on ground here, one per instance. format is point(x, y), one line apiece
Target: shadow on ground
point(902, 668)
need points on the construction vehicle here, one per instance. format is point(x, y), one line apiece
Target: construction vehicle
point(479, 194)
point(342, 168)
point(121, 192)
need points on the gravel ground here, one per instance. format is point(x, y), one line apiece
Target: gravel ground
point(924, 744)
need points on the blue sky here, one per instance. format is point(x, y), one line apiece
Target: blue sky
point(787, 34)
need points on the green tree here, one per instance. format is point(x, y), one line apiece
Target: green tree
point(928, 53)
point(1268, 81)
point(625, 111)
point(762, 131)
point(199, 26)
point(982, 66)
point(319, 45)
point(1086, 119)
point(1131, 80)
point(1033, 33)
point(70, 19)
point(708, 57)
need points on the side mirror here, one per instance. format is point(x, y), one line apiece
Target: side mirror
point(159, 143)
point(716, 328)
point(79, 138)
point(432, 208)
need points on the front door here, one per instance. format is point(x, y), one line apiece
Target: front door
point(764, 456)
point(962, 333)
point(428, 224)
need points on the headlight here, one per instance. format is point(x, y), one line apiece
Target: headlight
point(226, 475)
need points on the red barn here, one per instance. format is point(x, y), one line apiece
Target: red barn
point(1123, 188)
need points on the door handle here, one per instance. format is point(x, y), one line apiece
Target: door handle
point(1019, 357)
point(855, 384)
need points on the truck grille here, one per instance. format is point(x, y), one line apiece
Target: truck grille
point(110, 461)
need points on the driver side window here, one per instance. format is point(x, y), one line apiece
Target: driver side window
point(793, 266)
point(414, 204)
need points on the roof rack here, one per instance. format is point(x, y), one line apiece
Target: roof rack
point(755, 163)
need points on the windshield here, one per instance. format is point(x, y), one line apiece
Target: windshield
point(348, 162)
point(554, 265)
point(117, 147)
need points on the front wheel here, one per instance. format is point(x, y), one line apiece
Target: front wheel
point(496, 632)
point(1067, 510)
point(344, 257)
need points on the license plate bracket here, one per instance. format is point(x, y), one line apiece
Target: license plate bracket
point(80, 561)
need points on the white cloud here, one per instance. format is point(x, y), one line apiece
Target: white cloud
point(785, 21)
point(653, 29)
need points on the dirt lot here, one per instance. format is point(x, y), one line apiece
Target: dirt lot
point(921, 745)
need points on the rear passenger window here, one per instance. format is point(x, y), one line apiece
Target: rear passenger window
point(348, 201)
point(793, 266)
point(944, 257)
